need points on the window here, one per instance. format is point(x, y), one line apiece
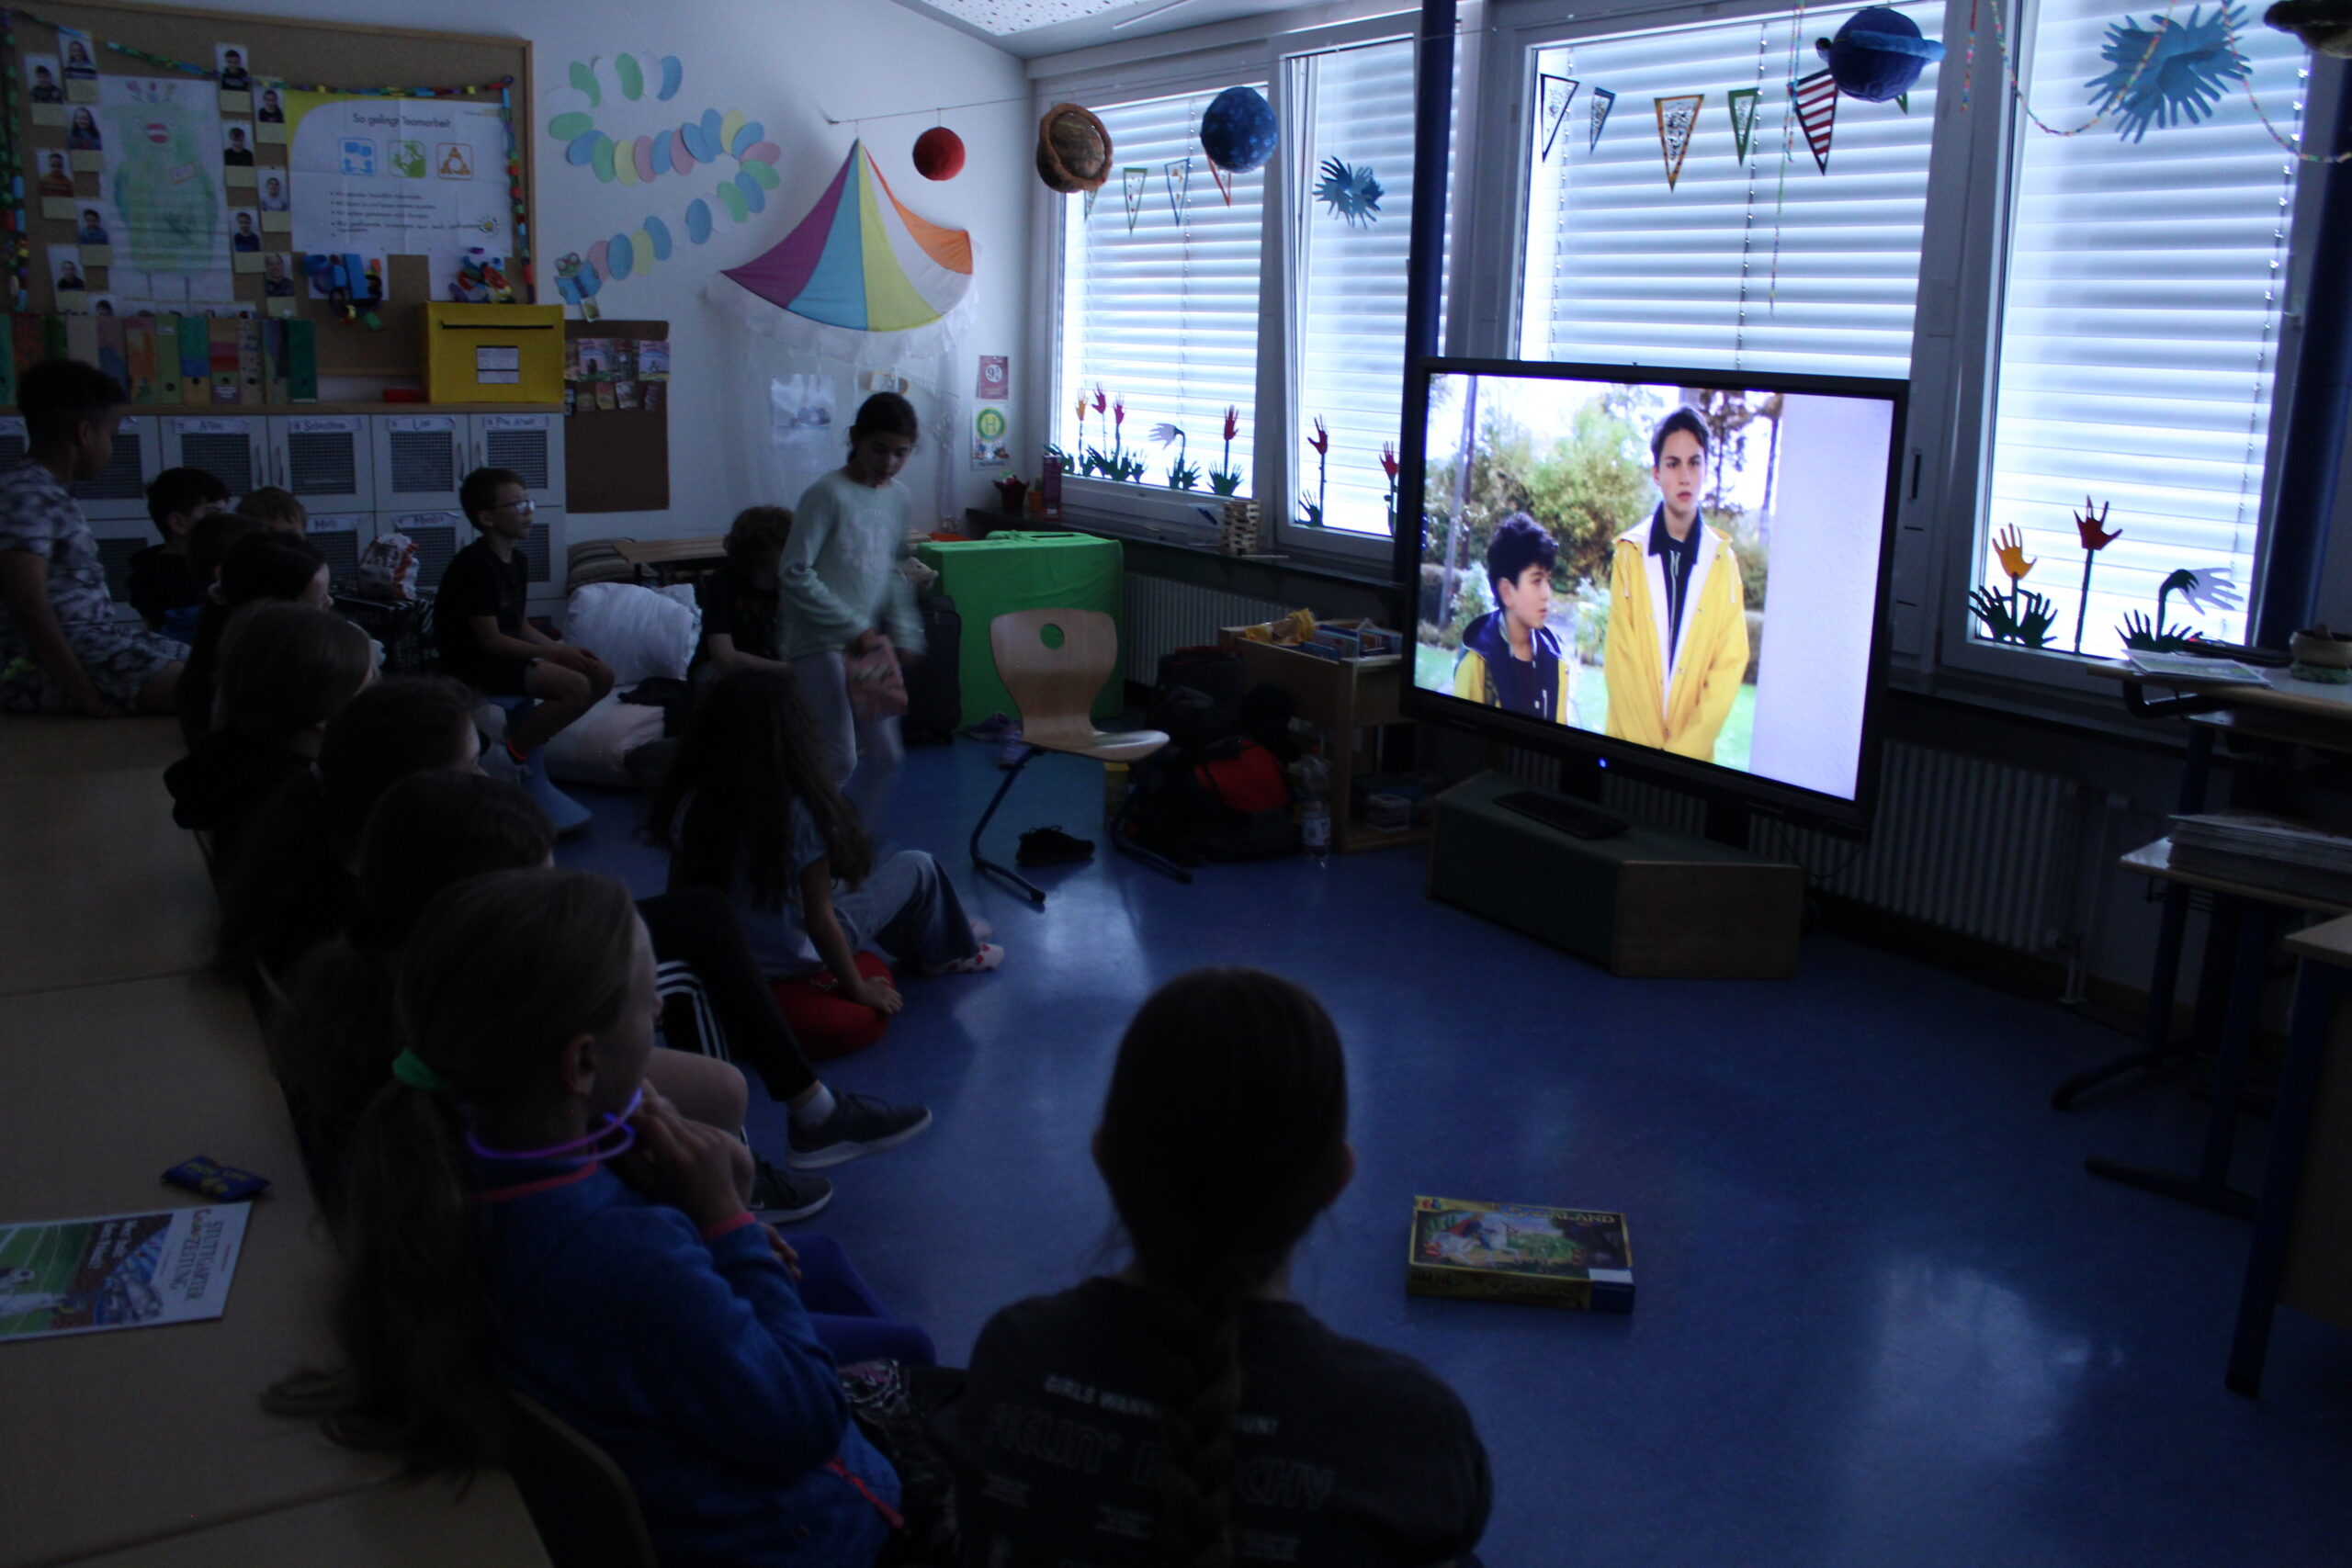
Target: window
point(1765, 261)
point(1355, 105)
point(1160, 305)
point(2138, 337)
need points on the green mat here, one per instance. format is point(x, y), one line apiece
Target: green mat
point(1008, 571)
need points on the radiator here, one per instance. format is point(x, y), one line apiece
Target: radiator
point(1162, 614)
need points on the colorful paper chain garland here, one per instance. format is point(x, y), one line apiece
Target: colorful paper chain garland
point(680, 151)
point(12, 157)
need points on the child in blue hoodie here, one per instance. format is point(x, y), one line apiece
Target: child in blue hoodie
point(522, 1212)
point(1510, 659)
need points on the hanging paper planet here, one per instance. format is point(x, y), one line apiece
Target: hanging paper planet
point(939, 154)
point(1239, 132)
point(1073, 149)
point(2323, 25)
point(861, 261)
point(1878, 55)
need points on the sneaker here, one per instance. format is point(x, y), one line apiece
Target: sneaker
point(1051, 846)
point(779, 1198)
point(1009, 755)
point(981, 963)
point(860, 1124)
point(994, 728)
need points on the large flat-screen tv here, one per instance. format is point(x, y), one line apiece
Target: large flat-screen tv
point(1681, 572)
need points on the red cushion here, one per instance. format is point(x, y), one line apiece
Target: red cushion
point(826, 1023)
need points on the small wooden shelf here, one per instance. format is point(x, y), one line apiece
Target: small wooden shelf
point(2155, 860)
point(1349, 700)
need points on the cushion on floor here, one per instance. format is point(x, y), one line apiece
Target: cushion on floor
point(826, 1023)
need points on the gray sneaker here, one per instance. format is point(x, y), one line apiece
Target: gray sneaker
point(778, 1197)
point(859, 1125)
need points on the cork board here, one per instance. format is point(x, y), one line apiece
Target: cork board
point(339, 54)
point(616, 459)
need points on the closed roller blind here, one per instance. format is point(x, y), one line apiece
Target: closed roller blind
point(1358, 108)
point(1768, 264)
point(2139, 332)
point(1162, 313)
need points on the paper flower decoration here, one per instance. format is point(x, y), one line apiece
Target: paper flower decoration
point(1878, 55)
point(2171, 74)
point(1237, 130)
point(2206, 591)
point(2091, 525)
point(2010, 545)
point(1350, 193)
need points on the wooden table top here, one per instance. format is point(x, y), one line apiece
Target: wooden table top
point(389, 1526)
point(101, 887)
point(31, 747)
point(668, 552)
point(2155, 860)
point(2278, 690)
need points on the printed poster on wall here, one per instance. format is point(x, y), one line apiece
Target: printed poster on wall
point(402, 176)
point(162, 174)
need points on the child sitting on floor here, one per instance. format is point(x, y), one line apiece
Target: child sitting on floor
point(740, 600)
point(749, 807)
point(1224, 1135)
point(278, 509)
point(487, 642)
point(285, 670)
point(291, 885)
point(521, 1212)
point(165, 589)
point(264, 565)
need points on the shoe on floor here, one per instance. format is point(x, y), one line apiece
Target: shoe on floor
point(860, 1124)
point(568, 815)
point(1009, 754)
point(981, 963)
point(994, 728)
point(779, 1197)
point(1051, 846)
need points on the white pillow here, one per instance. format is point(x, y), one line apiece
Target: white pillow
point(637, 631)
point(594, 748)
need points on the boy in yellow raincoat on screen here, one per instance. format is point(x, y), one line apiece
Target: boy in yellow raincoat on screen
point(1677, 645)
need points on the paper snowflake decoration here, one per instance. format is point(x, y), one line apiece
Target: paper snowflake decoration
point(2188, 67)
point(1352, 194)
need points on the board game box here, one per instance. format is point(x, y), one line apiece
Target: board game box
point(1518, 1252)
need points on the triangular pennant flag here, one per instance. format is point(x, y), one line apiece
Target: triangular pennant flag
point(1089, 199)
point(1224, 181)
point(1134, 178)
point(1745, 103)
point(1554, 94)
point(1816, 100)
point(1179, 175)
point(1677, 118)
point(1601, 99)
point(1903, 102)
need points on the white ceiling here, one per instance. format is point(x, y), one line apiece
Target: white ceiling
point(1032, 28)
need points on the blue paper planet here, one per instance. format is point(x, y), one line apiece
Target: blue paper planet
point(1878, 55)
point(1239, 132)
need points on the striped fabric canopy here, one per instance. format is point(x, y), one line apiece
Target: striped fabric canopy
point(860, 261)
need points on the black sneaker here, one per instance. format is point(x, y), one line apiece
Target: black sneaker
point(859, 1125)
point(1051, 846)
point(778, 1198)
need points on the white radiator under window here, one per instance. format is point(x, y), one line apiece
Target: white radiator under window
point(1163, 615)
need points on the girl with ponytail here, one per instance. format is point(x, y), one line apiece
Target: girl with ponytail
point(520, 1210)
point(1184, 1413)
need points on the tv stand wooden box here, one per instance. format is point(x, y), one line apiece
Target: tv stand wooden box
point(1352, 701)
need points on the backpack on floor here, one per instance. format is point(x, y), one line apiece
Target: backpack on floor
point(935, 684)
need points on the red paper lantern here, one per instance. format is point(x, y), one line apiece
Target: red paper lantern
point(939, 154)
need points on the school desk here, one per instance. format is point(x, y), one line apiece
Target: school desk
point(101, 887)
point(389, 1526)
point(33, 746)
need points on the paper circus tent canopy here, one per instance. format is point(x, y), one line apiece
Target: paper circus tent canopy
point(861, 262)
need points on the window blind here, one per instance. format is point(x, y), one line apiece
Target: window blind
point(1160, 304)
point(1350, 317)
point(1766, 264)
point(2139, 332)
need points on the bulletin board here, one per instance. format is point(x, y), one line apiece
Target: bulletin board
point(617, 393)
point(279, 54)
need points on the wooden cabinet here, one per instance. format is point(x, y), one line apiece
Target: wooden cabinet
point(1352, 702)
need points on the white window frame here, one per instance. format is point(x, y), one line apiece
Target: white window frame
point(1089, 78)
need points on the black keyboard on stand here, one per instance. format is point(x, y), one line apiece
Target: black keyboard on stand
point(1573, 818)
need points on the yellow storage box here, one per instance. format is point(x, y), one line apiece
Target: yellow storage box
point(493, 354)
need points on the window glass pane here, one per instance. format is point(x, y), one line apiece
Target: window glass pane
point(1765, 262)
point(1159, 301)
point(1358, 109)
point(2139, 335)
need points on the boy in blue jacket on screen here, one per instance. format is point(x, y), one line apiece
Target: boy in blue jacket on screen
point(1510, 659)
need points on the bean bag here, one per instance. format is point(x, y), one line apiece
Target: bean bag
point(826, 1023)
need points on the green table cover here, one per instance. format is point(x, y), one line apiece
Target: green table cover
point(1015, 571)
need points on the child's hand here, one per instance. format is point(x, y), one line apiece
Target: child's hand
point(782, 1250)
point(878, 995)
point(684, 1164)
point(866, 641)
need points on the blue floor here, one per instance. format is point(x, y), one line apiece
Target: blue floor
point(1884, 1316)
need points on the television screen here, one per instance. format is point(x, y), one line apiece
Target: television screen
point(1676, 566)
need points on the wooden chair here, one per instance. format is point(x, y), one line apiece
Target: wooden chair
point(1053, 687)
point(582, 1505)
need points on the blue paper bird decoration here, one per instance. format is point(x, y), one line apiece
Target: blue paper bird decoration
point(1352, 194)
point(2190, 67)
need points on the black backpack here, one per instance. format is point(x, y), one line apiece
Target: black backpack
point(935, 683)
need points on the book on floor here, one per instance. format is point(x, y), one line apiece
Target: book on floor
point(1519, 1252)
point(117, 1270)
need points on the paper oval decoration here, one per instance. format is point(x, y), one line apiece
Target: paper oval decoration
point(698, 220)
point(755, 196)
point(749, 134)
point(657, 235)
point(570, 127)
point(631, 75)
point(619, 257)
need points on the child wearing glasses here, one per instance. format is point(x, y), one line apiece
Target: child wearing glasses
point(486, 641)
